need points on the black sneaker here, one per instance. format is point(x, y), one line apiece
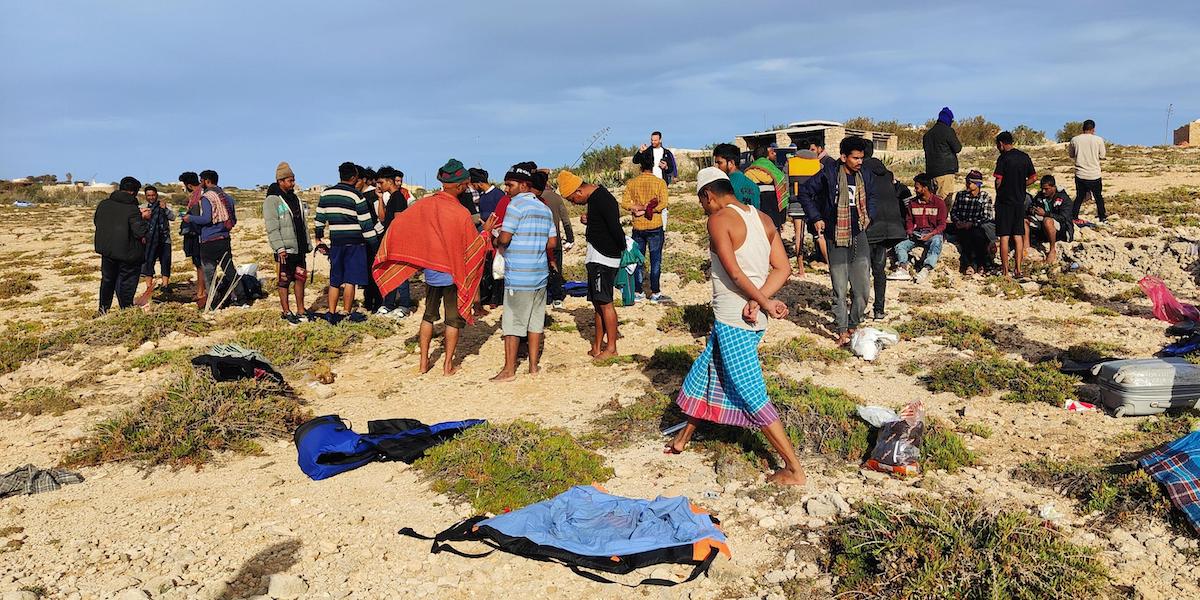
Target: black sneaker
point(332, 318)
point(878, 315)
point(290, 318)
point(356, 317)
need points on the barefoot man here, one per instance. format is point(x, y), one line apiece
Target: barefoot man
point(725, 384)
point(605, 245)
point(438, 236)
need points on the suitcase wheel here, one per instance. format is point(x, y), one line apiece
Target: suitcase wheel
point(1119, 412)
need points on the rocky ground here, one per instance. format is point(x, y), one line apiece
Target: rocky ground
point(255, 526)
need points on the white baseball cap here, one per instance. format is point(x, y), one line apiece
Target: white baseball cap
point(708, 175)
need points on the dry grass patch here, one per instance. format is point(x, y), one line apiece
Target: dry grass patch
point(954, 329)
point(36, 401)
point(17, 284)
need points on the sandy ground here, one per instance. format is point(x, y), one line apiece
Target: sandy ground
point(223, 530)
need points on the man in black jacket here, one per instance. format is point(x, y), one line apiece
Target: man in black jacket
point(1048, 219)
point(840, 203)
point(120, 241)
point(886, 229)
point(941, 153)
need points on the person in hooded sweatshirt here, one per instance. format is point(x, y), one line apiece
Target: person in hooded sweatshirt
point(121, 230)
point(886, 229)
point(284, 218)
point(941, 153)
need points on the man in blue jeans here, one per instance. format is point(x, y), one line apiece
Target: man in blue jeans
point(925, 225)
point(646, 199)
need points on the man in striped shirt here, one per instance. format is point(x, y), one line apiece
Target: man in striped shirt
point(527, 239)
point(353, 237)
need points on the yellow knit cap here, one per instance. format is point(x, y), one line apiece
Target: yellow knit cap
point(283, 171)
point(568, 182)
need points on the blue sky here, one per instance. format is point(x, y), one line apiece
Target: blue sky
point(152, 88)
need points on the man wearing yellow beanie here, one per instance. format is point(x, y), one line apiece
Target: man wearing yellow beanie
point(605, 245)
point(284, 218)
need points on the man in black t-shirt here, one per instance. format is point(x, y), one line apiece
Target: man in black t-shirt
point(605, 245)
point(1014, 172)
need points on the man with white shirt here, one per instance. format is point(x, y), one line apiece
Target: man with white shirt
point(1087, 149)
point(664, 166)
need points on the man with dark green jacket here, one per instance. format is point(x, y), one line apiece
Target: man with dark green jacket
point(120, 241)
point(284, 218)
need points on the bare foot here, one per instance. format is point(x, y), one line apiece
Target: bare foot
point(502, 376)
point(423, 368)
point(447, 371)
point(786, 477)
point(593, 352)
point(535, 371)
point(604, 355)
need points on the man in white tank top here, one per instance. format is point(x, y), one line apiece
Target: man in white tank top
point(749, 265)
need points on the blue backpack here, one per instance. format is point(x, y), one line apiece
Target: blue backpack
point(325, 446)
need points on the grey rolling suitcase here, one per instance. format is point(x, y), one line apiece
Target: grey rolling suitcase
point(1147, 386)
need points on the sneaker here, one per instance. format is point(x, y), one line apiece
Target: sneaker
point(302, 317)
point(383, 310)
point(557, 304)
point(657, 298)
point(921, 275)
point(900, 274)
point(638, 296)
point(290, 318)
point(878, 315)
point(399, 313)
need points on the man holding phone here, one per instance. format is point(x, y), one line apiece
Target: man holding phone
point(646, 199)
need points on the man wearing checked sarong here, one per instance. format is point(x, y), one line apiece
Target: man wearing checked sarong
point(749, 265)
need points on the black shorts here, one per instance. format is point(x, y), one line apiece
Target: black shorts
point(600, 283)
point(293, 268)
point(1010, 219)
point(1037, 234)
point(438, 297)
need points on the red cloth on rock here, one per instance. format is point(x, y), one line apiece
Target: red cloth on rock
point(434, 233)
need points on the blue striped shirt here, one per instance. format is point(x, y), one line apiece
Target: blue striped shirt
point(531, 224)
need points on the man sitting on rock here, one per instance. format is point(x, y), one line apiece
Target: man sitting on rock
point(1048, 219)
point(925, 224)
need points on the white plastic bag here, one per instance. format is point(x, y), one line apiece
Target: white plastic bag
point(248, 270)
point(868, 341)
point(498, 266)
point(876, 416)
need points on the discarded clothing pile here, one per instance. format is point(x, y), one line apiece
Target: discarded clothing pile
point(29, 479)
point(585, 527)
point(325, 446)
point(1177, 467)
point(231, 361)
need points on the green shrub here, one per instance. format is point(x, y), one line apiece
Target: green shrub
point(38, 401)
point(689, 266)
point(959, 548)
point(20, 342)
point(1063, 287)
point(1174, 206)
point(955, 329)
point(132, 328)
point(996, 285)
point(942, 448)
point(193, 417)
point(1095, 350)
point(312, 342)
point(696, 319)
point(157, 358)
point(1127, 295)
point(1103, 311)
point(988, 373)
point(619, 426)
point(911, 366)
point(17, 284)
point(801, 348)
point(976, 429)
point(499, 467)
point(674, 359)
point(1118, 492)
point(1069, 130)
point(1118, 276)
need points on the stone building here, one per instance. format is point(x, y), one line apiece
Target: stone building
point(1188, 135)
point(803, 133)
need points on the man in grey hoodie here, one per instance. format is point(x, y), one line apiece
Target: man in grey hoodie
point(284, 218)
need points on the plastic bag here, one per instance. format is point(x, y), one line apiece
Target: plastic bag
point(876, 416)
point(1166, 307)
point(898, 444)
point(868, 341)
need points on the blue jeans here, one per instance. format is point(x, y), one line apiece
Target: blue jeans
point(933, 249)
point(400, 297)
point(653, 238)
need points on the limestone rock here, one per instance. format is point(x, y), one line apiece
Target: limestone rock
point(286, 587)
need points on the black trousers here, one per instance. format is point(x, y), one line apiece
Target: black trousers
point(217, 255)
point(491, 290)
point(372, 299)
point(120, 278)
point(973, 247)
point(554, 285)
point(879, 252)
point(1082, 187)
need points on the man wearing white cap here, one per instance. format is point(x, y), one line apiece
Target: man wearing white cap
point(749, 265)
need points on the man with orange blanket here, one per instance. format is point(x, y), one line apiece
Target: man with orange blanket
point(438, 236)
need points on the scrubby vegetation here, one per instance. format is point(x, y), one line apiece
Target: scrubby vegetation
point(619, 426)
point(1095, 350)
point(955, 329)
point(311, 342)
point(1062, 287)
point(193, 418)
point(801, 348)
point(1174, 206)
point(158, 358)
point(674, 359)
point(38, 401)
point(958, 549)
point(499, 467)
point(998, 285)
point(989, 372)
point(131, 328)
point(976, 429)
point(691, 267)
point(1119, 491)
point(696, 319)
point(17, 284)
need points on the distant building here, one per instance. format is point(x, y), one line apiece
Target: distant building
point(802, 133)
point(1188, 135)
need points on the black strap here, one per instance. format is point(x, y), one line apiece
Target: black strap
point(700, 569)
point(462, 531)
